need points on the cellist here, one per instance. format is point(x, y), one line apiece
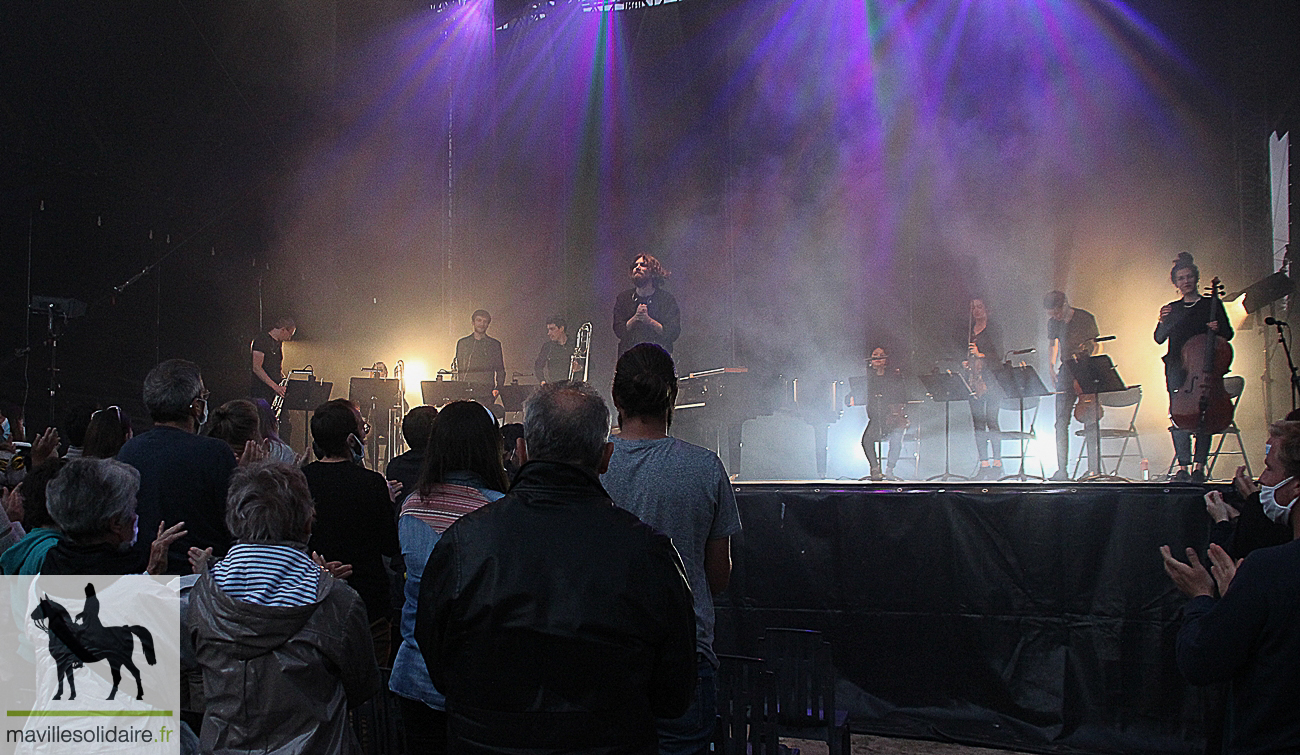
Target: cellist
point(1180, 320)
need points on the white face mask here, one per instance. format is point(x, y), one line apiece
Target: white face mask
point(1272, 509)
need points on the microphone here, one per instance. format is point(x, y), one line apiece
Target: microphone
point(1099, 339)
point(1018, 352)
point(1275, 321)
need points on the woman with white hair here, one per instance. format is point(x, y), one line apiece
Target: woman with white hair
point(284, 647)
point(93, 503)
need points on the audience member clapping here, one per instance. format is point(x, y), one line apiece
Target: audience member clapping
point(108, 431)
point(237, 424)
point(1248, 636)
point(93, 503)
point(1261, 516)
point(28, 502)
point(355, 520)
point(276, 448)
point(462, 472)
point(285, 648)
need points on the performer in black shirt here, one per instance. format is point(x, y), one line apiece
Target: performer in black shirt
point(886, 413)
point(268, 356)
point(555, 361)
point(1072, 334)
point(478, 355)
point(646, 313)
point(985, 351)
point(1180, 320)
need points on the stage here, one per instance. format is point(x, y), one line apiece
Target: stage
point(1024, 616)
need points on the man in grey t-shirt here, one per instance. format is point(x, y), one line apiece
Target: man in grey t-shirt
point(681, 490)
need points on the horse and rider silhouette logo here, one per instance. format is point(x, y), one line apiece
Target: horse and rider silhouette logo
point(76, 642)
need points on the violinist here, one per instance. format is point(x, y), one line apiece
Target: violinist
point(984, 353)
point(1180, 320)
point(1072, 333)
point(886, 413)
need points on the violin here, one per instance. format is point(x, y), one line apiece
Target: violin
point(1202, 404)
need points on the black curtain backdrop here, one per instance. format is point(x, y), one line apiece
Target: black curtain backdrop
point(1020, 618)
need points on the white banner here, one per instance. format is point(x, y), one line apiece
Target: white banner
point(90, 664)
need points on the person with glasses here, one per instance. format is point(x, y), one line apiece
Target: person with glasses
point(646, 313)
point(108, 431)
point(183, 475)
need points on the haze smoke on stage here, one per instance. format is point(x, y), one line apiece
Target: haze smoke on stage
point(821, 176)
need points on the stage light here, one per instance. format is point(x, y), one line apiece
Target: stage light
point(416, 371)
point(1236, 311)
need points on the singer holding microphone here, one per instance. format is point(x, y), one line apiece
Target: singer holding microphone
point(1072, 333)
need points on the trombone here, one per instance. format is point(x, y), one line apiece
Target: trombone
point(581, 347)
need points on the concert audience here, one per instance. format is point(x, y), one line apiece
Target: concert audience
point(417, 425)
point(462, 472)
point(183, 476)
point(1249, 637)
point(355, 520)
point(552, 620)
point(680, 490)
point(108, 431)
point(29, 504)
point(93, 503)
point(1251, 522)
point(284, 647)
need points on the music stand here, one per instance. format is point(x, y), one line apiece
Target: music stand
point(304, 396)
point(947, 387)
point(443, 392)
point(1097, 375)
point(514, 395)
point(373, 395)
point(1020, 383)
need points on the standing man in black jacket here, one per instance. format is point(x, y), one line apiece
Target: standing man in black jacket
point(478, 356)
point(555, 621)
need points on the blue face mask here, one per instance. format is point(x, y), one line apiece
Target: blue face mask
point(356, 449)
point(4, 429)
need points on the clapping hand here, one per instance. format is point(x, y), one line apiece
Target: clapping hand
point(337, 569)
point(1218, 509)
point(1222, 567)
point(158, 551)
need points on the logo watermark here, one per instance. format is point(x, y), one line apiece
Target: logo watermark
point(90, 664)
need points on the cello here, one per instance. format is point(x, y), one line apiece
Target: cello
point(1201, 404)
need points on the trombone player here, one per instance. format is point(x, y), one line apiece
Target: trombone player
point(554, 361)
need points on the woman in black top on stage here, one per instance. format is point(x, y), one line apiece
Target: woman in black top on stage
point(1180, 320)
point(985, 345)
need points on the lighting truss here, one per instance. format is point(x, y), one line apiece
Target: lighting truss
point(521, 12)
